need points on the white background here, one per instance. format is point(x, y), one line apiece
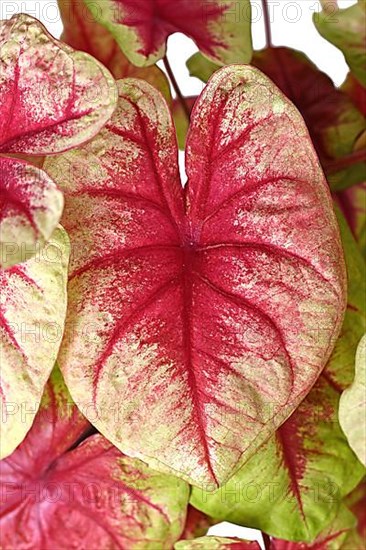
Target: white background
point(291, 24)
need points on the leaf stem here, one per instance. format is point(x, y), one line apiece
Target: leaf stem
point(267, 23)
point(340, 164)
point(177, 90)
point(267, 541)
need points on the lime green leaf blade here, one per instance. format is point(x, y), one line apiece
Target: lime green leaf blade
point(346, 29)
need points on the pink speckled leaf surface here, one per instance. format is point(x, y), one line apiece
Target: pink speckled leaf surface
point(199, 319)
point(64, 488)
point(30, 209)
point(52, 97)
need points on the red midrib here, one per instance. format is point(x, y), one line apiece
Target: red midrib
point(198, 410)
point(290, 443)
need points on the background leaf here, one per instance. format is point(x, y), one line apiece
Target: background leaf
point(346, 29)
point(64, 488)
point(83, 32)
point(352, 407)
point(220, 28)
point(217, 543)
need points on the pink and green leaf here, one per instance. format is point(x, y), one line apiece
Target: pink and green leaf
point(332, 537)
point(356, 91)
point(220, 28)
point(334, 123)
point(352, 407)
point(346, 29)
point(30, 209)
point(52, 97)
point(32, 316)
point(293, 486)
point(197, 524)
point(65, 488)
point(83, 32)
point(217, 543)
point(346, 532)
point(193, 294)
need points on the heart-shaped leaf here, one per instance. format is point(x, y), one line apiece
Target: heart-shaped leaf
point(52, 97)
point(213, 309)
point(217, 543)
point(30, 209)
point(293, 486)
point(352, 407)
point(346, 29)
point(220, 28)
point(83, 32)
point(64, 488)
point(334, 123)
point(32, 315)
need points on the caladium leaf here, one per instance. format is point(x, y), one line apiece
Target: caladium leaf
point(194, 293)
point(30, 209)
point(181, 120)
point(346, 532)
point(83, 32)
point(197, 524)
point(356, 92)
point(293, 485)
point(334, 123)
point(331, 538)
point(32, 315)
point(346, 29)
point(52, 97)
point(352, 407)
point(217, 543)
point(220, 28)
point(63, 488)
point(356, 502)
point(352, 202)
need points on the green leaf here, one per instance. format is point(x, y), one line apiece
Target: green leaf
point(346, 29)
point(32, 323)
point(352, 407)
point(293, 486)
point(330, 538)
point(201, 67)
